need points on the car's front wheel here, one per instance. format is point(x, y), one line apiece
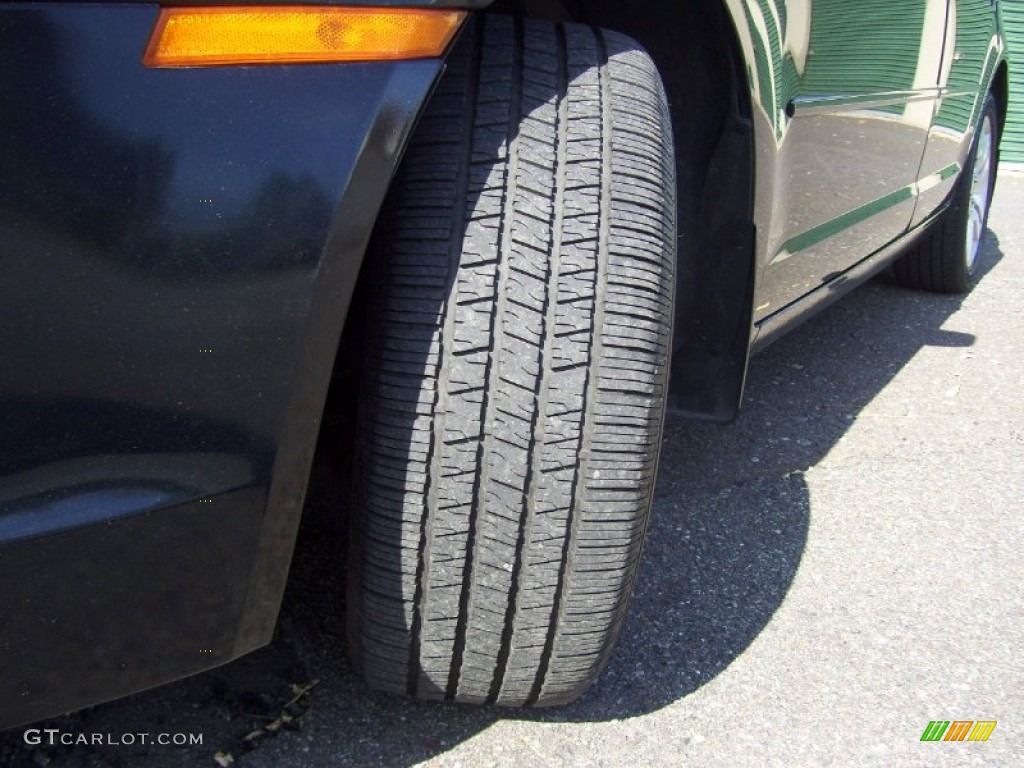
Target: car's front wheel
point(516, 370)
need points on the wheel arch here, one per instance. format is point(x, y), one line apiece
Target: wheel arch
point(1001, 90)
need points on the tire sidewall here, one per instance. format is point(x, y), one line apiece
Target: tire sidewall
point(970, 269)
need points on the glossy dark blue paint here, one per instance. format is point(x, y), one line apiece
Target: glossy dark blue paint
point(179, 249)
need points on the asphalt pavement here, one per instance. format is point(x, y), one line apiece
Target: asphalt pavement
point(823, 578)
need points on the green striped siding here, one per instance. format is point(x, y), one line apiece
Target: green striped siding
point(868, 50)
point(973, 36)
point(1013, 140)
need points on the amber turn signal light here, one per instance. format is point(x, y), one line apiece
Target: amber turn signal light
point(222, 36)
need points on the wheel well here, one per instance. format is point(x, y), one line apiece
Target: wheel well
point(1001, 90)
point(696, 51)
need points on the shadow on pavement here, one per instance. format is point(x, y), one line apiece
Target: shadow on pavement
point(733, 510)
point(729, 528)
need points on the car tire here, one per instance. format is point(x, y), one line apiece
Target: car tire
point(946, 261)
point(516, 370)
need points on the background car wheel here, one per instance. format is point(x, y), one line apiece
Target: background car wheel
point(947, 259)
point(516, 370)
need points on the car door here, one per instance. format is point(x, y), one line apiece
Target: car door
point(972, 48)
point(854, 96)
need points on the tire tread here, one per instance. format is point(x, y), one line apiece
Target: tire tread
point(513, 401)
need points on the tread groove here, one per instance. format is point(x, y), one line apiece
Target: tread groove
point(589, 382)
point(430, 500)
point(541, 392)
point(509, 191)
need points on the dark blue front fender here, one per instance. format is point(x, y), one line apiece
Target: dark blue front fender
point(179, 251)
